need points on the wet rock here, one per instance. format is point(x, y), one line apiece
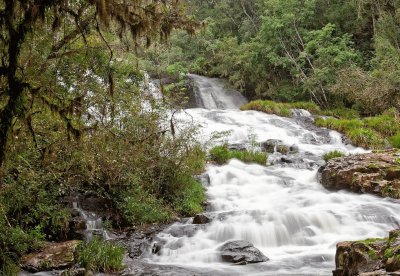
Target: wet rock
point(239, 147)
point(201, 219)
point(239, 252)
point(203, 179)
point(376, 173)
point(369, 257)
point(52, 257)
point(156, 248)
point(188, 230)
point(274, 145)
point(76, 272)
point(353, 258)
point(77, 226)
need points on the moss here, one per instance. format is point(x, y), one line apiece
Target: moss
point(388, 253)
point(389, 191)
point(333, 154)
point(370, 241)
point(373, 254)
point(372, 166)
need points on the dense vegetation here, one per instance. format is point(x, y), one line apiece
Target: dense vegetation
point(77, 116)
point(336, 53)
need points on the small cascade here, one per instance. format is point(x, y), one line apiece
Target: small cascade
point(208, 94)
point(94, 224)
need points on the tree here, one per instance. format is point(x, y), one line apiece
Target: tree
point(61, 23)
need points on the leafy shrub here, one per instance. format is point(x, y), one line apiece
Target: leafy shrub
point(190, 200)
point(140, 207)
point(100, 256)
point(333, 154)
point(367, 138)
point(221, 154)
point(395, 141)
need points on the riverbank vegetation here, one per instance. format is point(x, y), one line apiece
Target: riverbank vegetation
point(222, 154)
point(297, 50)
point(78, 117)
point(291, 51)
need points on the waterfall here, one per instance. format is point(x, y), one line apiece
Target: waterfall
point(281, 208)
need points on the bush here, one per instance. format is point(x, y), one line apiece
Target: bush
point(221, 154)
point(100, 256)
point(367, 138)
point(333, 154)
point(395, 141)
point(190, 201)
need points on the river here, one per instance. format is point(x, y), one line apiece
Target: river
point(280, 208)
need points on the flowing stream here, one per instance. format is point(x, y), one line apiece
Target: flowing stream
point(281, 208)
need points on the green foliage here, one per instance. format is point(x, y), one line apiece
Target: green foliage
point(281, 109)
point(341, 112)
point(190, 201)
point(29, 214)
point(395, 141)
point(100, 256)
point(138, 206)
point(371, 132)
point(333, 154)
point(221, 154)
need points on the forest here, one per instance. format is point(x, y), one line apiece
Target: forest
point(78, 117)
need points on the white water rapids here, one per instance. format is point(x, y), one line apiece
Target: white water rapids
point(281, 209)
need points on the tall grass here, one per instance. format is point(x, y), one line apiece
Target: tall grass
point(333, 154)
point(221, 154)
point(372, 132)
point(100, 256)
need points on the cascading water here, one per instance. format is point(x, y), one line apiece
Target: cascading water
point(281, 209)
point(94, 224)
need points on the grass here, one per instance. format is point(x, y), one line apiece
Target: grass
point(100, 256)
point(221, 154)
point(191, 199)
point(281, 109)
point(371, 132)
point(333, 154)
point(284, 109)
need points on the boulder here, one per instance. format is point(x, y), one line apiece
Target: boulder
point(54, 256)
point(369, 257)
point(274, 145)
point(201, 219)
point(241, 252)
point(376, 173)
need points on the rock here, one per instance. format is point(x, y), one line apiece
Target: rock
point(203, 179)
point(274, 145)
point(201, 219)
point(353, 258)
point(375, 173)
point(239, 147)
point(77, 227)
point(54, 256)
point(369, 257)
point(241, 252)
point(76, 272)
point(156, 248)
